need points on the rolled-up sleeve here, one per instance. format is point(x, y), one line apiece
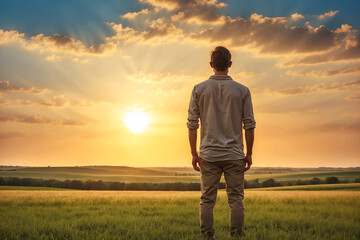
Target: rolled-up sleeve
point(248, 114)
point(193, 112)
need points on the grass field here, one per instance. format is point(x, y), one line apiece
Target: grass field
point(321, 187)
point(161, 175)
point(120, 174)
point(174, 215)
point(27, 188)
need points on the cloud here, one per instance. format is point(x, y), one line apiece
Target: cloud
point(5, 86)
point(335, 87)
point(195, 11)
point(56, 101)
point(123, 35)
point(269, 35)
point(66, 44)
point(348, 49)
point(133, 15)
point(327, 15)
point(160, 29)
point(58, 44)
point(296, 17)
point(325, 73)
point(157, 32)
point(37, 119)
point(10, 36)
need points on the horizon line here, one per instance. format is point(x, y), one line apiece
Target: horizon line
point(50, 166)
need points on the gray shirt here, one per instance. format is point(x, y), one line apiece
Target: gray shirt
point(223, 106)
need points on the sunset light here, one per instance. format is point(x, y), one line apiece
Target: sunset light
point(119, 76)
point(136, 121)
point(155, 119)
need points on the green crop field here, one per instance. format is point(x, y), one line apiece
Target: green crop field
point(162, 175)
point(174, 215)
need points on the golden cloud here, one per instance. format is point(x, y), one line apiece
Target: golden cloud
point(327, 15)
point(5, 86)
point(133, 15)
point(325, 73)
point(335, 87)
point(56, 101)
point(296, 17)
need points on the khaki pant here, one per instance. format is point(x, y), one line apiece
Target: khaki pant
point(210, 177)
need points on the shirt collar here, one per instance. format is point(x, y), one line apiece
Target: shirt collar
point(221, 77)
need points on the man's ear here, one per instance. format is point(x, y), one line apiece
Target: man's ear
point(230, 64)
point(211, 65)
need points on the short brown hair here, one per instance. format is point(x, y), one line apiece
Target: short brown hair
point(220, 58)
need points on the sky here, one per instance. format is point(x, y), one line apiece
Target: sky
point(70, 71)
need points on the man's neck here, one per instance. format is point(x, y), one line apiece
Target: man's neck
point(221, 72)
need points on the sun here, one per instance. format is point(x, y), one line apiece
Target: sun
point(136, 121)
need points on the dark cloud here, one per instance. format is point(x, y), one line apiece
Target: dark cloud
point(61, 40)
point(271, 35)
point(344, 53)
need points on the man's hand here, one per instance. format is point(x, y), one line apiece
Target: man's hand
point(196, 163)
point(248, 162)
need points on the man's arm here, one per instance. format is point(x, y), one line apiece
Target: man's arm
point(249, 125)
point(193, 125)
point(195, 157)
point(249, 138)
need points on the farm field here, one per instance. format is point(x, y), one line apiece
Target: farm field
point(161, 175)
point(29, 188)
point(320, 187)
point(174, 215)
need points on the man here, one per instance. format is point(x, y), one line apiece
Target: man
point(224, 107)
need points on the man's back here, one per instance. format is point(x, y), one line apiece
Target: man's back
point(222, 105)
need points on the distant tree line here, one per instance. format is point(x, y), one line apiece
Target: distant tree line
point(98, 185)
point(273, 183)
point(176, 186)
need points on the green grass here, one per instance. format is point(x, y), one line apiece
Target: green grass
point(322, 187)
point(28, 188)
point(174, 215)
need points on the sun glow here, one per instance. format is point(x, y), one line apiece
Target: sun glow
point(136, 121)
